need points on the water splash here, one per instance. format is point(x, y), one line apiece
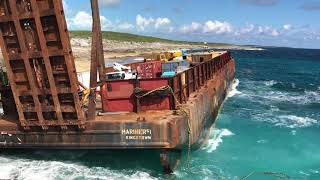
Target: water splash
point(270, 83)
point(13, 168)
point(216, 138)
point(233, 90)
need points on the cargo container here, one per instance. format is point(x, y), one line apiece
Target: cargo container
point(150, 69)
point(173, 65)
point(201, 57)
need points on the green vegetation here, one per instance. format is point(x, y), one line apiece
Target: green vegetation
point(117, 36)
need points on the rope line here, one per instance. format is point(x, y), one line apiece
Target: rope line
point(164, 91)
point(275, 174)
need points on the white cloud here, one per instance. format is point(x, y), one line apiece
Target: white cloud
point(212, 30)
point(144, 23)
point(274, 33)
point(125, 26)
point(268, 31)
point(192, 28)
point(109, 3)
point(287, 27)
point(217, 27)
point(106, 24)
point(161, 22)
point(248, 28)
point(82, 20)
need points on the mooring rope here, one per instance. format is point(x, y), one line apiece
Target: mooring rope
point(180, 110)
point(140, 93)
point(187, 114)
point(275, 174)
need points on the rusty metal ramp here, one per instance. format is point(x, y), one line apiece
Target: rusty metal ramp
point(40, 65)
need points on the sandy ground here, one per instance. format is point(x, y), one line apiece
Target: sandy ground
point(116, 49)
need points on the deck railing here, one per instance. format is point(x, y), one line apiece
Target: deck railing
point(187, 82)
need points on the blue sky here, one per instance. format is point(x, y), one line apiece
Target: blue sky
point(292, 23)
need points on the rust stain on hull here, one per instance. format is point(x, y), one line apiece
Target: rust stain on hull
point(147, 130)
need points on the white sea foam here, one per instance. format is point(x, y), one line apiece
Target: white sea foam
point(270, 83)
point(260, 91)
point(215, 139)
point(26, 169)
point(288, 121)
point(262, 141)
point(304, 98)
point(273, 82)
point(293, 121)
point(233, 90)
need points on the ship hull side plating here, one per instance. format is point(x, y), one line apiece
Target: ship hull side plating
point(146, 130)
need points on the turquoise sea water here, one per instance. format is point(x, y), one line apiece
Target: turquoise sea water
point(270, 122)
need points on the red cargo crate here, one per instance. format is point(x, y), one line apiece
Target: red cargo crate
point(151, 69)
point(154, 103)
point(119, 96)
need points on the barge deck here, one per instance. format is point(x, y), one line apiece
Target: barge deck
point(44, 106)
point(162, 129)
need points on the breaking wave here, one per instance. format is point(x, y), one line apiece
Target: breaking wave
point(26, 169)
point(307, 97)
point(276, 107)
point(257, 93)
point(215, 139)
point(288, 121)
point(277, 84)
point(233, 90)
point(293, 121)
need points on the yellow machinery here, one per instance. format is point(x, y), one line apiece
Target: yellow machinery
point(165, 56)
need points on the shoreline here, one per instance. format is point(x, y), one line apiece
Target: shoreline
point(113, 49)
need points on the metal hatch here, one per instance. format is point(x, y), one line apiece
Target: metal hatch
point(40, 64)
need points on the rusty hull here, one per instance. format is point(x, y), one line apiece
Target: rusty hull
point(37, 53)
point(147, 130)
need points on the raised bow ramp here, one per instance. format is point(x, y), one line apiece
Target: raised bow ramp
point(40, 65)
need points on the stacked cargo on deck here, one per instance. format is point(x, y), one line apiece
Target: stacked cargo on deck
point(156, 79)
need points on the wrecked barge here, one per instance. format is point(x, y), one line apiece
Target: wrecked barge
point(44, 104)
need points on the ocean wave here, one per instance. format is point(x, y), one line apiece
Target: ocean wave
point(233, 90)
point(288, 121)
point(26, 169)
point(293, 121)
point(215, 139)
point(307, 97)
point(262, 91)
